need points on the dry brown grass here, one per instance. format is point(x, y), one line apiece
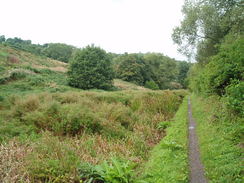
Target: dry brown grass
point(123, 85)
point(12, 162)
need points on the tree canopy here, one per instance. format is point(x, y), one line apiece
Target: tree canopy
point(205, 24)
point(153, 70)
point(213, 29)
point(91, 68)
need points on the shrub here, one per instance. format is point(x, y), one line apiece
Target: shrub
point(235, 97)
point(90, 68)
point(151, 85)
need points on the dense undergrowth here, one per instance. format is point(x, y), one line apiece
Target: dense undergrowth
point(68, 136)
point(221, 139)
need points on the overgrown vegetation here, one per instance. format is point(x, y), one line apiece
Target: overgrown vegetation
point(213, 30)
point(52, 131)
point(221, 148)
point(69, 135)
point(72, 136)
point(217, 36)
point(168, 161)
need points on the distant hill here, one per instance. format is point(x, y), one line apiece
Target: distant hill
point(24, 72)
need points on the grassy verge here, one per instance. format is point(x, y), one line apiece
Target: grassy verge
point(220, 139)
point(168, 162)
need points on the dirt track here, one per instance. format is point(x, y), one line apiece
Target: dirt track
point(196, 167)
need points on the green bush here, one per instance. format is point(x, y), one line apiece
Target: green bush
point(91, 68)
point(214, 77)
point(235, 96)
point(151, 85)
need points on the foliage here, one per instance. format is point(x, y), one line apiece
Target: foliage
point(88, 127)
point(151, 85)
point(223, 73)
point(91, 68)
point(58, 51)
point(116, 171)
point(221, 150)
point(25, 45)
point(235, 97)
point(183, 68)
point(2, 39)
point(162, 69)
point(132, 68)
point(142, 69)
point(205, 24)
point(228, 64)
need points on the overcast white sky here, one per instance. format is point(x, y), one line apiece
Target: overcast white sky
point(115, 25)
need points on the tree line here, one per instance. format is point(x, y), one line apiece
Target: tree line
point(92, 67)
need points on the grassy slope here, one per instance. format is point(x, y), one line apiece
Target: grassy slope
point(24, 73)
point(220, 135)
point(38, 74)
point(168, 160)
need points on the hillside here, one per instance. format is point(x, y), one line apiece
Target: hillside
point(24, 72)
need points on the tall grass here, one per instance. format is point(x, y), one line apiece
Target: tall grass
point(88, 127)
point(168, 160)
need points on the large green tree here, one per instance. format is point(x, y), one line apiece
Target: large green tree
point(162, 69)
point(205, 24)
point(183, 68)
point(132, 68)
point(91, 68)
point(2, 38)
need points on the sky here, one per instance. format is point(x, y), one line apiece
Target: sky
point(115, 25)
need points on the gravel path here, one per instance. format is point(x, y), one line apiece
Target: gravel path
point(196, 167)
